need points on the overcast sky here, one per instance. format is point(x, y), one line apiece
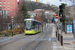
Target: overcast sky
point(55, 2)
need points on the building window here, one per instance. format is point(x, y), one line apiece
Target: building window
point(8, 8)
point(0, 8)
point(0, 5)
point(4, 5)
point(0, 1)
point(8, 2)
point(4, 2)
point(8, 5)
point(8, 11)
point(8, 14)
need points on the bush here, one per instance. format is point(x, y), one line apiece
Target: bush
point(5, 33)
point(14, 30)
point(0, 33)
point(8, 32)
point(19, 30)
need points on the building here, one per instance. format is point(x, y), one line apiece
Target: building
point(49, 14)
point(9, 6)
point(32, 14)
point(27, 0)
point(3, 14)
point(39, 11)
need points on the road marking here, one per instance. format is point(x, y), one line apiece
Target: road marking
point(53, 32)
point(55, 45)
point(4, 40)
point(69, 47)
point(49, 39)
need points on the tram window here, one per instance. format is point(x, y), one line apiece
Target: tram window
point(33, 23)
point(38, 25)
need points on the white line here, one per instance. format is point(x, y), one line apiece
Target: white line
point(4, 40)
point(49, 39)
point(55, 45)
point(53, 32)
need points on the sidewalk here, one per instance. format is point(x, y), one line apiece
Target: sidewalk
point(68, 41)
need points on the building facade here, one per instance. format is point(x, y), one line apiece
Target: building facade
point(27, 0)
point(9, 6)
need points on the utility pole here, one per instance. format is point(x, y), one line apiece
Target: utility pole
point(73, 20)
point(12, 26)
point(42, 20)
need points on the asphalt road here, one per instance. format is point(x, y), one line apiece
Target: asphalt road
point(40, 41)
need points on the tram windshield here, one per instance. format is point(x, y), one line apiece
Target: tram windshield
point(28, 24)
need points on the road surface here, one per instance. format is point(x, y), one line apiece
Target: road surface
point(40, 41)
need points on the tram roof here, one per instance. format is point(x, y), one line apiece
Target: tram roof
point(32, 20)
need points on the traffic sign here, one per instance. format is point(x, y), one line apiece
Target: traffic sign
point(55, 19)
point(56, 16)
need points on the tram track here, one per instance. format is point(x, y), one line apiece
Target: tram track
point(36, 48)
point(35, 41)
point(13, 40)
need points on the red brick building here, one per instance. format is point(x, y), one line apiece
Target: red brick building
point(10, 6)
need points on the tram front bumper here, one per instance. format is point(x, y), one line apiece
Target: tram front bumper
point(29, 31)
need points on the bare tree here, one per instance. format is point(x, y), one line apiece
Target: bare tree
point(1, 23)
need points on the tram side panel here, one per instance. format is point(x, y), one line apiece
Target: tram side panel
point(39, 27)
point(36, 27)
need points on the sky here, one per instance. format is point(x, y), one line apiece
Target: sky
point(55, 2)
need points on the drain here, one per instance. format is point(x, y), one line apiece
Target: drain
point(67, 43)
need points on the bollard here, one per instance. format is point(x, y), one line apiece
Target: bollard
point(61, 40)
point(45, 27)
point(4, 34)
point(56, 33)
point(12, 33)
point(58, 36)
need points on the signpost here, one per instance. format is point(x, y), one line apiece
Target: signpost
point(56, 17)
point(12, 26)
